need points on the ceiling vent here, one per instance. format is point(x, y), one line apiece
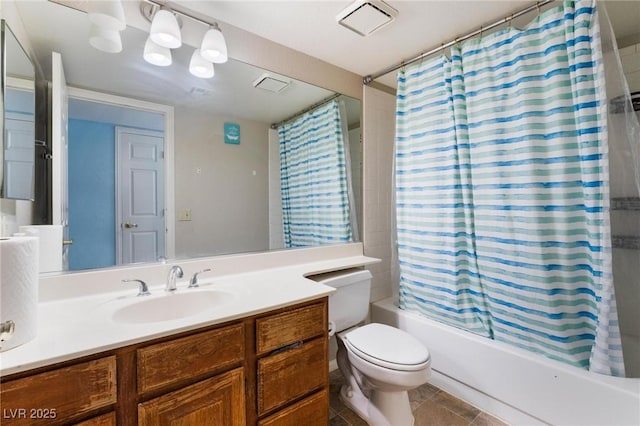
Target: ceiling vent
point(270, 83)
point(366, 16)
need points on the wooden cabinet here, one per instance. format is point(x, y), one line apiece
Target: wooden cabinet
point(311, 411)
point(189, 357)
point(108, 419)
point(218, 401)
point(269, 369)
point(276, 331)
point(294, 361)
point(60, 395)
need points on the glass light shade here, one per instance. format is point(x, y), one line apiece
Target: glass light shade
point(214, 48)
point(156, 55)
point(200, 67)
point(105, 39)
point(165, 30)
point(108, 14)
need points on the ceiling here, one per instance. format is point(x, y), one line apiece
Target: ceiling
point(310, 26)
point(304, 25)
point(53, 27)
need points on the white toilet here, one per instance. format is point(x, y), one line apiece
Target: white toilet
point(380, 363)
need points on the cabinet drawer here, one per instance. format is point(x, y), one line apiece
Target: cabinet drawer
point(291, 374)
point(57, 396)
point(279, 330)
point(311, 411)
point(218, 401)
point(189, 357)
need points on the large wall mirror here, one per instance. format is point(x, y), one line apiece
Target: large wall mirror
point(18, 112)
point(162, 164)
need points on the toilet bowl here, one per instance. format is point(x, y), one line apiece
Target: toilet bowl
point(380, 363)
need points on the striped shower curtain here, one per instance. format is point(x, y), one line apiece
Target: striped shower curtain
point(313, 177)
point(502, 190)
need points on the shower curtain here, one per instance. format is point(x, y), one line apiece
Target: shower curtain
point(502, 195)
point(314, 178)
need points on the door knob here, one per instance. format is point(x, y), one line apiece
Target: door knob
point(67, 242)
point(129, 225)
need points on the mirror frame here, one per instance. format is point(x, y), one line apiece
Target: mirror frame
point(4, 27)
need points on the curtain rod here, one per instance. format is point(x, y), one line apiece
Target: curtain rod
point(312, 107)
point(371, 77)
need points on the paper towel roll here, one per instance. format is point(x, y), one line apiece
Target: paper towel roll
point(19, 289)
point(50, 245)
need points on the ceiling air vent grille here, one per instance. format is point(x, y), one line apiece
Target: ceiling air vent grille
point(366, 17)
point(271, 83)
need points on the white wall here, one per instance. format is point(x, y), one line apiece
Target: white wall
point(224, 186)
point(355, 156)
point(630, 57)
point(378, 137)
point(276, 229)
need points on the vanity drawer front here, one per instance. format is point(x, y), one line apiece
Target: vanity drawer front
point(311, 411)
point(57, 396)
point(292, 374)
point(282, 329)
point(189, 357)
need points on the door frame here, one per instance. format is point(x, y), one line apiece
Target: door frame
point(169, 167)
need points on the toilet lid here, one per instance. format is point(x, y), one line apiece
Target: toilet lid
point(388, 347)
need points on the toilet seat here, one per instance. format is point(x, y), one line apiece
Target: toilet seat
point(387, 347)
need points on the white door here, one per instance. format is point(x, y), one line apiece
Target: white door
point(19, 149)
point(60, 149)
point(140, 195)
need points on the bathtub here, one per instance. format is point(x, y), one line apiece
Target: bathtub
point(512, 384)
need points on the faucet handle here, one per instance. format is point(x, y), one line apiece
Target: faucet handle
point(193, 282)
point(143, 290)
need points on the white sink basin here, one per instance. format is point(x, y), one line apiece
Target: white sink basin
point(170, 306)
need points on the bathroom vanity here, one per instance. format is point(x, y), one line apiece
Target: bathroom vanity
point(259, 356)
point(270, 368)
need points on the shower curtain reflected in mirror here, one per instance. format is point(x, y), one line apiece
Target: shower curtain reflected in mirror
point(317, 198)
point(502, 190)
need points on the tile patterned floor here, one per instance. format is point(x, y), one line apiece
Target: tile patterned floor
point(431, 407)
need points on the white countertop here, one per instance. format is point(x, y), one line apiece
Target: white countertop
point(78, 326)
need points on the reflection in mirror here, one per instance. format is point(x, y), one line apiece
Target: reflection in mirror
point(18, 142)
point(164, 164)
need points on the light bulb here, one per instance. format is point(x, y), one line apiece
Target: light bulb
point(165, 30)
point(199, 66)
point(214, 47)
point(156, 55)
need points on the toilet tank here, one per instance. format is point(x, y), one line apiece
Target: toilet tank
point(349, 305)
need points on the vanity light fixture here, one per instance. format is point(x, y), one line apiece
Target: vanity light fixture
point(165, 30)
point(156, 55)
point(108, 14)
point(165, 34)
point(214, 46)
point(105, 39)
point(200, 67)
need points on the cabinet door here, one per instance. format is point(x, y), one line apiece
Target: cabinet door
point(218, 401)
point(108, 419)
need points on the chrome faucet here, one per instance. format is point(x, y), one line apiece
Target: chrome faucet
point(143, 289)
point(193, 282)
point(174, 272)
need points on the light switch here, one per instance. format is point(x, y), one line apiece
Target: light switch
point(184, 215)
